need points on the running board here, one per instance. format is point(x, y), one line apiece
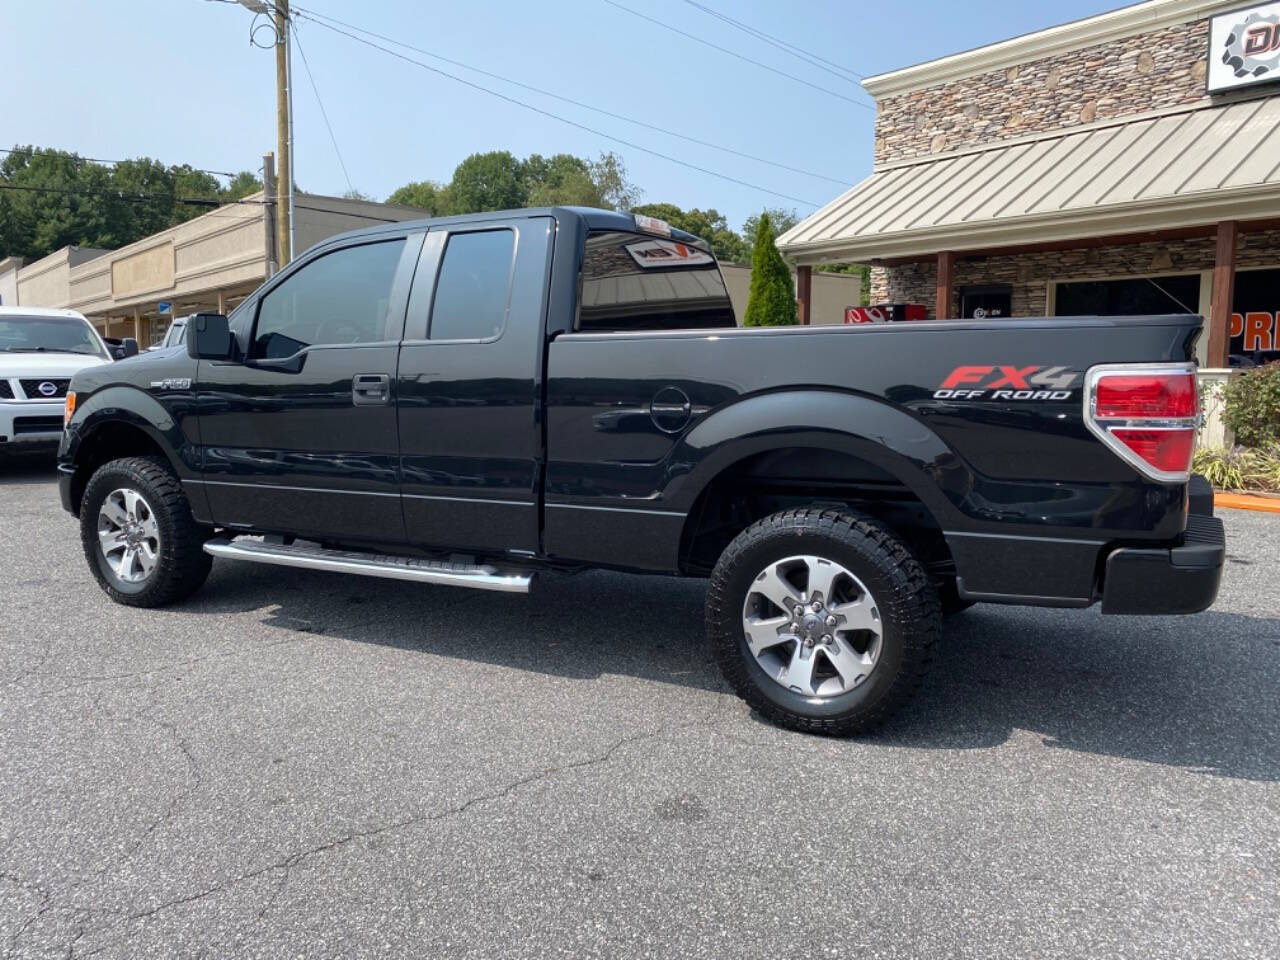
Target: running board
point(312, 557)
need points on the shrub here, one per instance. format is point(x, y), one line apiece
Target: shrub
point(773, 299)
point(1240, 468)
point(1252, 406)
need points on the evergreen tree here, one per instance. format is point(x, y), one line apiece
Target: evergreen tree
point(773, 300)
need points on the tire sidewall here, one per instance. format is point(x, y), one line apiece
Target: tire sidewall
point(857, 555)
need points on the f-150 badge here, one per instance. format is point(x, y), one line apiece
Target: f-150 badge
point(172, 383)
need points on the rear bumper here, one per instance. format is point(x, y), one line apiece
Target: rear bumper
point(1181, 579)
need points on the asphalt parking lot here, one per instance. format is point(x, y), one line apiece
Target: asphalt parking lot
point(305, 765)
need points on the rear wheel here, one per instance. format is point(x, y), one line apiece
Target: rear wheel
point(139, 538)
point(822, 620)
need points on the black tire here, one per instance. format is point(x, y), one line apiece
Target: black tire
point(950, 599)
point(906, 600)
point(182, 565)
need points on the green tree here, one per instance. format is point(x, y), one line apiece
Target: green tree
point(560, 179)
point(488, 181)
point(710, 225)
point(423, 194)
point(772, 302)
point(56, 199)
point(783, 220)
point(241, 185)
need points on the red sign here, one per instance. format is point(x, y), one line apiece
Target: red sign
point(865, 315)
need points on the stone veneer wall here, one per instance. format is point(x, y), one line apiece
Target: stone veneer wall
point(1135, 74)
point(1029, 273)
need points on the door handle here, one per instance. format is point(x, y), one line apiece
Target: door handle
point(371, 389)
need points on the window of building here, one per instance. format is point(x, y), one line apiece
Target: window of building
point(634, 282)
point(993, 301)
point(340, 298)
point(1130, 297)
point(1255, 318)
point(474, 286)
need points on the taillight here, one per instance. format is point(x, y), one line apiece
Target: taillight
point(1147, 413)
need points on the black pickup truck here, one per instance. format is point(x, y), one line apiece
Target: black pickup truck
point(472, 400)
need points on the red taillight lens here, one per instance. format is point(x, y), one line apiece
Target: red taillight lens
point(1166, 450)
point(1146, 413)
point(1136, 396)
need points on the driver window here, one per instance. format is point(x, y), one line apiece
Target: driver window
point(340, 298)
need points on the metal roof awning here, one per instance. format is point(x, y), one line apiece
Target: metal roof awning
point(1174, 170)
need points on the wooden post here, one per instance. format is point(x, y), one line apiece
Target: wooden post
point(222, 303)
point(946, 278)
point(1224, 285)
point(137, 329)
point(804, 294)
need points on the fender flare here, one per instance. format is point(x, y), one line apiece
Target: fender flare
point(889, 438)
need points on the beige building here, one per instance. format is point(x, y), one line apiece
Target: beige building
point(833, 293)
point(211, 262)
point(1126, 163)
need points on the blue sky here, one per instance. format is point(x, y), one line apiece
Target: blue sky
point(178, 80)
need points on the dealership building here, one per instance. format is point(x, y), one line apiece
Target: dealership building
point(1127, 163)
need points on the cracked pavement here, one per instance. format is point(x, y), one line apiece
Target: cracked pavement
point(302, 764)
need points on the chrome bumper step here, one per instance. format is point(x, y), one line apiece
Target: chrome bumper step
point(312, 557)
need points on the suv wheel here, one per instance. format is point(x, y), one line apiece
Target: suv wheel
point(141, 542)
point(821, 620)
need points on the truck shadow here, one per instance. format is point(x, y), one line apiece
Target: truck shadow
point(1195, 693)
point(26, 469)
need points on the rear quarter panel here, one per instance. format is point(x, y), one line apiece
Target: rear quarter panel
point(1012, 466)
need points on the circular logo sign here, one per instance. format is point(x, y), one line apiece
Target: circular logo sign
point(980, 313)
point(1253, 47)
point(47, 389)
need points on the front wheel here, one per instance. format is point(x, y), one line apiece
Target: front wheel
point(142, 544)
point(822, 620)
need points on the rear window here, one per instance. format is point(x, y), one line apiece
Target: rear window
point(634, 282)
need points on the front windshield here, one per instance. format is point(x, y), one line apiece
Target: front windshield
point(48, 334)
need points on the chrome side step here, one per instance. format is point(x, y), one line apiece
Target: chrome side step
point(313, 557)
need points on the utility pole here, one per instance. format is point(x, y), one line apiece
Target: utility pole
point(284, 134)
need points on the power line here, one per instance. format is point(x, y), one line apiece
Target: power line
point(745, 59)
point(831, 67)
point(577, 103)
point(119, 195)
point(67, 155)
point(554, 116)
point(323, 113)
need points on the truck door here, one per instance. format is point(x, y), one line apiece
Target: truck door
point(469, 384)
point(300, 436)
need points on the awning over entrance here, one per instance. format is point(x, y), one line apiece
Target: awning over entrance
point(1166, 172)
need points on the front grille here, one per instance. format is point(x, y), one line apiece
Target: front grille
point(36, 424)
point(6, 391)
point(32, 388)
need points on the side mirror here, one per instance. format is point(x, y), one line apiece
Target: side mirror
point(128, 348)
point(209, 337)
point(117, 351)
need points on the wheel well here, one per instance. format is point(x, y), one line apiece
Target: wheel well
point(781, 479)
point(111, 441)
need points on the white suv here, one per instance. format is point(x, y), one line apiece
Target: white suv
point(39, 351)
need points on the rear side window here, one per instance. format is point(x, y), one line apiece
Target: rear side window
point(635, 282)
point(340, 298)
point(474, 286)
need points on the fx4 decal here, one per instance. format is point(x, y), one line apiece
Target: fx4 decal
point(1002, 382)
